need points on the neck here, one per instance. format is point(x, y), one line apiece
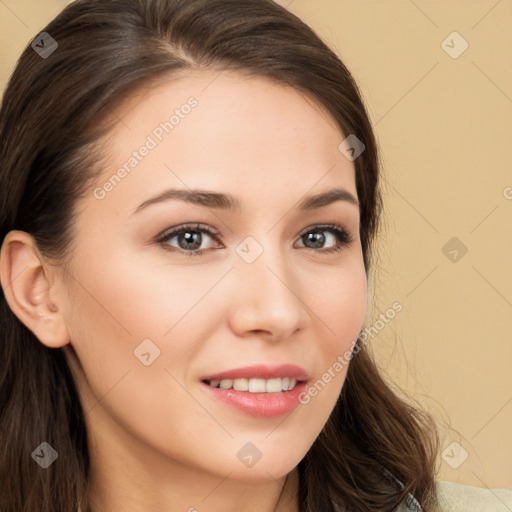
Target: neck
point(214, 495)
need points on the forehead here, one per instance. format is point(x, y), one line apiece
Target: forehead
point(206, 129)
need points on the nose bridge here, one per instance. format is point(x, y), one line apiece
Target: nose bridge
point(267, 299)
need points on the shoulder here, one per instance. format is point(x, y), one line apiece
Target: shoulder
point(455, 497)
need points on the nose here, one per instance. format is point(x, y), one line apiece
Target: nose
point(267, 299)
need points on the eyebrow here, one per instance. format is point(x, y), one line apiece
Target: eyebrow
point(224, 201)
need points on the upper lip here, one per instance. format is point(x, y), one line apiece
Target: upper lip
point(261, 371)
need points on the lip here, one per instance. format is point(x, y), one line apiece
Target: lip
point(259, 405)
point(261, 371)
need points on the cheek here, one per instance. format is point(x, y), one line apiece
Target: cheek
point(135, 300)
point(136, 335)
point(341, 305)
point(141, 321)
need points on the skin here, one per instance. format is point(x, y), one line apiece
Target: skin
point(155, 436)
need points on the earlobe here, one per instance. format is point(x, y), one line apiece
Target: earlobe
point(24, 276)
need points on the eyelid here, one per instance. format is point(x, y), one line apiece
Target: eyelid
point(191, 226)
point(326, 227)
point(200, 227)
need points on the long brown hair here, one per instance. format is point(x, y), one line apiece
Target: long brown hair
point(51, 115)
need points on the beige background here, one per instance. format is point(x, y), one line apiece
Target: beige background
point(444, 126)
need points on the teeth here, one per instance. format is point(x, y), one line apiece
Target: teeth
point(256, 385)
point(226, 384)
point(273, 386)
point(241, 385)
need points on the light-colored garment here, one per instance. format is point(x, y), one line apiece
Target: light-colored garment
point(455, 497)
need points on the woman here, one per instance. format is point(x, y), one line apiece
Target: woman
point(134, 135)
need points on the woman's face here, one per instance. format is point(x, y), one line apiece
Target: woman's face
point(151, 313)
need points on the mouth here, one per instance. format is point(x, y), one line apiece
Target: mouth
point(260, 391)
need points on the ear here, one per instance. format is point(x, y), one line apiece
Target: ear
point(26, 281)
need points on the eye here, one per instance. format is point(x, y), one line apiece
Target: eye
point(316, 237)
point(189, 238)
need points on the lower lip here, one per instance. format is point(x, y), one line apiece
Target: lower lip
point(260, 405)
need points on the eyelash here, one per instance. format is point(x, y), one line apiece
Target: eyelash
point(343, 237)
